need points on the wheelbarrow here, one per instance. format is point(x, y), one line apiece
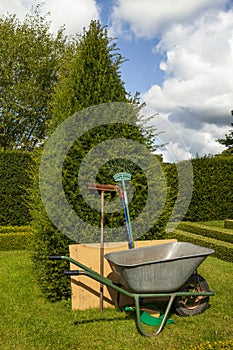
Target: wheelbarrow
point(164, 271)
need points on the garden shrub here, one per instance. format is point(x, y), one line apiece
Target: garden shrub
point(212, 193)
point(16, 241)
point(15, 181)
point(222, 250)
point(228, 224)
point(47, 240)
point(217, 233)
point(16, 238)
point(212, 189)
point(15, 229)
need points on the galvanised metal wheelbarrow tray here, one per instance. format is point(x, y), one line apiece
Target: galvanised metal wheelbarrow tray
point(167, 271)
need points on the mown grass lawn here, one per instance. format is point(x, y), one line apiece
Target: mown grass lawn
point(29, 322)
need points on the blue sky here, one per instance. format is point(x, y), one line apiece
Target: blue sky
point(141, 70)
point(180, 58)
point(138, 52)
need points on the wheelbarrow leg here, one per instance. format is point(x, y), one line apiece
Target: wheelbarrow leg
point(138, 320)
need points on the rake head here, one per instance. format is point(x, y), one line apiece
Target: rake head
point(121, 166)
point(122, 176)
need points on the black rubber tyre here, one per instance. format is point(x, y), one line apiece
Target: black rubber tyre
point(191, 306)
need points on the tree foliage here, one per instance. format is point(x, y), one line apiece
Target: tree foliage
point(90, 75)
point(29, 60)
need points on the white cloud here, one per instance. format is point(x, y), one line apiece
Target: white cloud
point(18, 7)
point(197, 93)
point(74, 14)
point(145, 18)
point(183, 142)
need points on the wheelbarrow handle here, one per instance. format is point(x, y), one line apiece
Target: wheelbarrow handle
point(76, 272)
point(55, 257)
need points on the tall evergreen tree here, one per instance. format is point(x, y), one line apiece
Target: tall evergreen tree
point(93, 78)
point(90, 76)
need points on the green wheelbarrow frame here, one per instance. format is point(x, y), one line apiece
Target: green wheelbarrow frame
point(136, 296)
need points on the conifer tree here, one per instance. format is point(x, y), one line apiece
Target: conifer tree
point(89, 76)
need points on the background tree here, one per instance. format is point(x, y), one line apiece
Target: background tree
point(90, 75)
point(228, 141)
point(29, 60)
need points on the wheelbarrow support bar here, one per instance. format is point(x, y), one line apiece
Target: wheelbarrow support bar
point(136, 296)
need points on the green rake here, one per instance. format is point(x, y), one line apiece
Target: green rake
point(122, 177)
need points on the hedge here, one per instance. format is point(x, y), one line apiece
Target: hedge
point(15, 182)
point(207, 231)
point(212, 193)
point(228, 224)
point(16, 241)
point(16, 238)
point(211, 199)
point(222, 250)
point(212, 188)
point(15, 229)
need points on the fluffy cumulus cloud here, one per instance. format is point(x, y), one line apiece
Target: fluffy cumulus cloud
point(74, 14)
point(197, 92)
point(145, 18)
point(196, 54)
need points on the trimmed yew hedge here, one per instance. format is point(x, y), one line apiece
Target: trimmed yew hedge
point(16, 238)
point(15, 181)
point(228, 224)
point(16, 241)
point(211, 199)
point(15, 229)
point(221, 234)
point(212, 192)
point(222, 250)
point(212, 188)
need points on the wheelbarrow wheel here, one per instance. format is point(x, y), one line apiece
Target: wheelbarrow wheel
point(192, 305)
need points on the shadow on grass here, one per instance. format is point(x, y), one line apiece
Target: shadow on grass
point(76, 322)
